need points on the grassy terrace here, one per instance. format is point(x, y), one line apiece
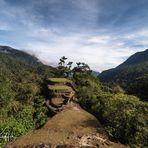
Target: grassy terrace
point(59, 87)
point(58, 80)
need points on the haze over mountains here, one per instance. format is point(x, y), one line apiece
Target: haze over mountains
point(20, 55)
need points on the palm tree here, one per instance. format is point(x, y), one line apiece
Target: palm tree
point(70, 64)
point(62, 61)
point(78, 64)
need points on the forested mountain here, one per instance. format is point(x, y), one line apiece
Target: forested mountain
point(21, 98)
point(132, 75)
point(19, 55)
point(137, 58)
point(23, 94)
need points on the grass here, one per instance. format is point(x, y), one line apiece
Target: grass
point(58, 80)
point(59, 87)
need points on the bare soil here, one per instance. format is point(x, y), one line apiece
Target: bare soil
point(72, 127)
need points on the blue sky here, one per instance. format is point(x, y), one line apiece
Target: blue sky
point(102, 33)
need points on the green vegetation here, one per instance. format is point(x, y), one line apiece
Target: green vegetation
point(59, 87)
point(70, 123)
point(23, 92)
point(132, 75)
point(123, 116)
point(58, 80)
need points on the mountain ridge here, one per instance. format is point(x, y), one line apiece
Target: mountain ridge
point(20, 55)
point(136, 58)
point(131, 74)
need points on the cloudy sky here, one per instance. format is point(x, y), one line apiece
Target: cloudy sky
point(102, 33)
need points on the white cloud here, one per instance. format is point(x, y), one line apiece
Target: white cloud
point(100, 52)
point(75, 35)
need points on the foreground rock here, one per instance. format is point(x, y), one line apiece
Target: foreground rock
point(71, 128)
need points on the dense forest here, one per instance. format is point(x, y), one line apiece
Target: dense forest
point(23, 92)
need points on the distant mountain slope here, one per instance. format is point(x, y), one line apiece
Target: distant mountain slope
point(19, 55)
point(95, 73)
point(137, 58)
point(131, 74)
point(10, 55)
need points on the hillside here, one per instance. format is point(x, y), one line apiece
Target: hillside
point(137, 58)
point(24, 111)
point(132, 75)
point(19, 55)
point(73, 127)
point(21, 91)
